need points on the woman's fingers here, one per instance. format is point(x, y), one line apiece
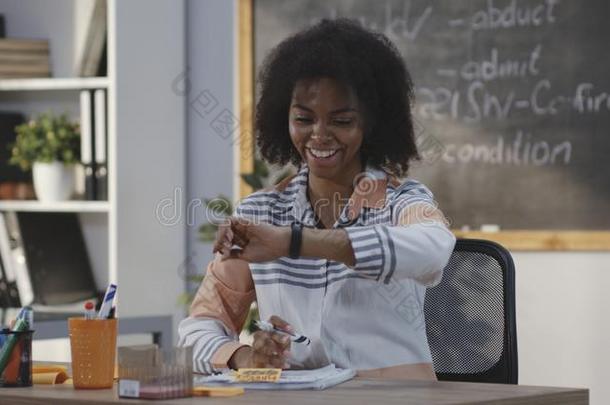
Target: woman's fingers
point(262, 361)
point(281, 340)
point(232, 232)
point(239, 228)
point(224, 236)
point(280, 323)
point(264, 344)
point(269, 350)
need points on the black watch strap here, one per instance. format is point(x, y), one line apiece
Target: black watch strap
point(296, 238)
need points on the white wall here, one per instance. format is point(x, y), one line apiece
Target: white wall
point(563, 324)
point(146, 52)
point(211, 61)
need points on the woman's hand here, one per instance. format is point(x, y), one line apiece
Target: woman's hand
point(268, 350)
point(257, 242)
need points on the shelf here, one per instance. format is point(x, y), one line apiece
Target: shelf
point(74, 83)
point(62, 206)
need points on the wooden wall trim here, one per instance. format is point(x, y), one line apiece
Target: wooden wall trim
point(246, 89)
point(525, 240)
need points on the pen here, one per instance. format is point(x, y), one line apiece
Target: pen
point(295, 337)
point(27, 314)
point(107, 303)
point(89, 310)
point(5, 353)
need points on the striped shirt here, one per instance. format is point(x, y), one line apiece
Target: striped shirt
point(365, 317)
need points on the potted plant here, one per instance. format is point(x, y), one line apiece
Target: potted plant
point(49, 146)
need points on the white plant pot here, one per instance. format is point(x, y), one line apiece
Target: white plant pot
point(53, 181)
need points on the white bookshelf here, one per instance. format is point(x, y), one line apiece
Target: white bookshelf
point(52, 84)
point(62, 206)
point(126, 241)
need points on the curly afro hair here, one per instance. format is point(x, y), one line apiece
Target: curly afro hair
point(367, 62)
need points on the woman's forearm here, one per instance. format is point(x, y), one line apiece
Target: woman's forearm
point(331, 244)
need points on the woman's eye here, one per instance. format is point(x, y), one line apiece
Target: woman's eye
point(343, 122)
point(303, 120)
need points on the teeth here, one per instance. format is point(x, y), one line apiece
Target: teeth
point(319, 153)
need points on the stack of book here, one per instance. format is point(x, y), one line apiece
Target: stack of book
point(24, 58)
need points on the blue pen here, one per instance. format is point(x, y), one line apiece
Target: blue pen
point(3, 336)
point(27, 314)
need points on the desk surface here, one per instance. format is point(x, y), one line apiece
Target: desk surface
point(355, 392)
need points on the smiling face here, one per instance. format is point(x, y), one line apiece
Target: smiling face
point(326, 127)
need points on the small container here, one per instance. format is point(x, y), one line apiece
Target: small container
point(18, 370)
point(149, 373)
point(93, 348)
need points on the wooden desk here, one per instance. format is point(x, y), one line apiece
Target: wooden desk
point(355, 392)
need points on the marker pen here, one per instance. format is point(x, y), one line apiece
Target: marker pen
point(89, 310)
point(295, 337)
point(27, 314)
point(107, 303)
point(5, 353)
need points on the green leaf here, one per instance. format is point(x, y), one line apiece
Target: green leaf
point(252, 180)
point(260, 169)
point(253, 316)
point(185, 299)
point(207, 232)
point(221, 205)
point(45, 138)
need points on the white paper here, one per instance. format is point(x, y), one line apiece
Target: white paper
point(129, 388)
point(316, 379)
point(6, 254)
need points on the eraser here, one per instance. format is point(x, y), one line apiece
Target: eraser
point(217, 391)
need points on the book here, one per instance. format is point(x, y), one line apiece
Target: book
point(9, 295)
point(40, 46)
point(86, 148)
point(95, 42)
point(24, 58)
point(101, 170)
point(16, 70)
point(19, 269)
point(7, 267)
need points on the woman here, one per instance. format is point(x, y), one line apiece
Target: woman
point(343, 251)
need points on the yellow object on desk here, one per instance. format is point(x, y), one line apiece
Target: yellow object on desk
point(50, 374)
point(258, 375)
point(204, 391)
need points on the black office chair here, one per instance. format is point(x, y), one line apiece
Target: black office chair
point(470, 315)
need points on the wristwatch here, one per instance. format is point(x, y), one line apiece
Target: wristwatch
point(296, 238)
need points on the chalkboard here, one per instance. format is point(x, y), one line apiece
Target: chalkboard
point(512, 101)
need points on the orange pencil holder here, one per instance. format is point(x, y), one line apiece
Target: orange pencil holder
point(93, 348)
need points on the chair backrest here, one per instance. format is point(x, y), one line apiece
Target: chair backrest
point(470, 315)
